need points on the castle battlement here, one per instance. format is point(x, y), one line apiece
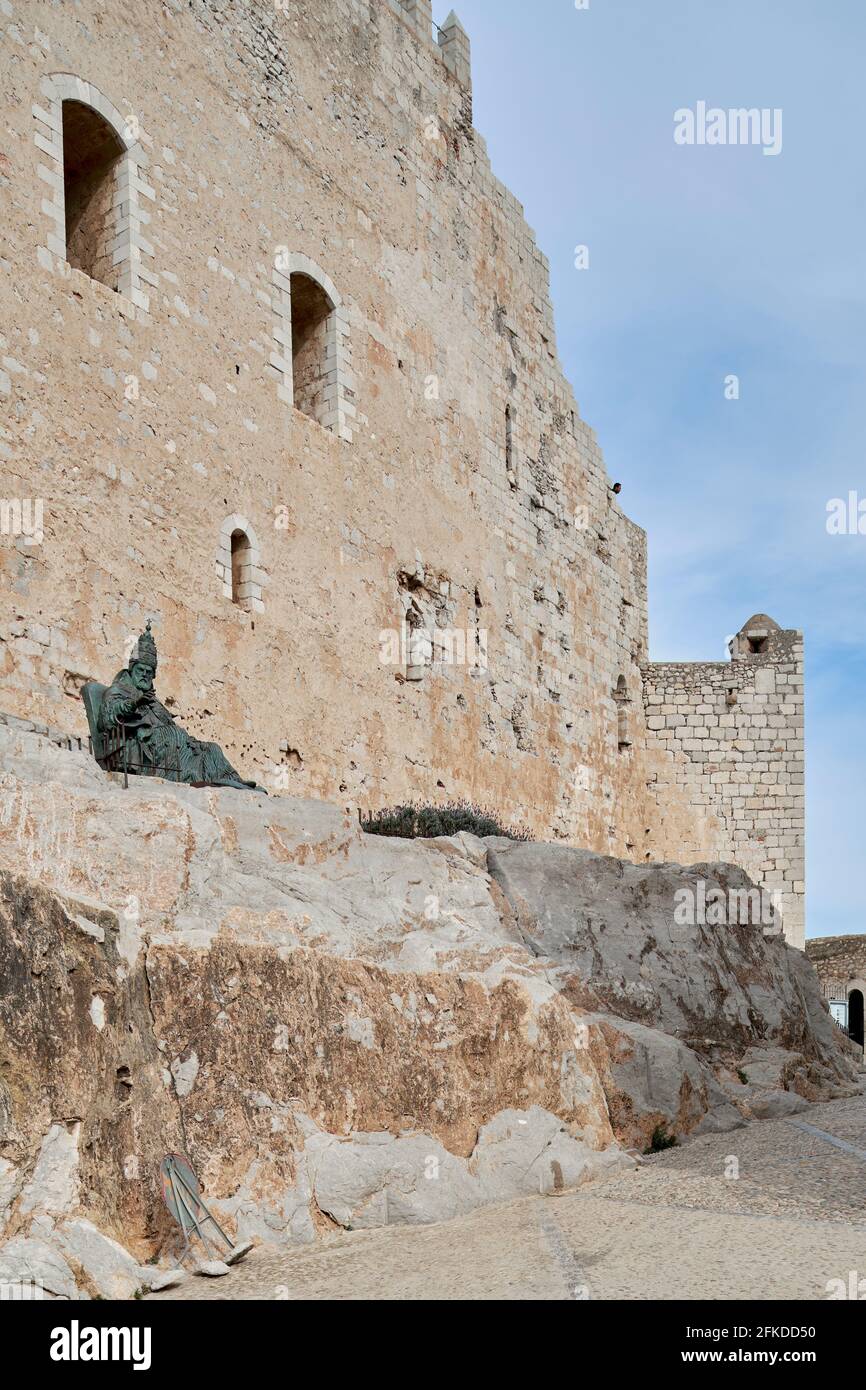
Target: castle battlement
point(450, 39)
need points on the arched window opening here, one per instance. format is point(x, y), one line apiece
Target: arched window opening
point(314, 365)
point(91, 153)
point(312, 354)
point(622, 700)
point(855, 1016)
point(93, 160)
point(241, 566)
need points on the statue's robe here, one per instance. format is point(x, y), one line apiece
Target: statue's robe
point(157, 746)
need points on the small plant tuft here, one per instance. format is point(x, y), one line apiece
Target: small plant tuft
point(742, 1075)
point(661, 1140)
point(420, 822)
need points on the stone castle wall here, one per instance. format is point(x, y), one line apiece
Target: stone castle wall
point(840, 962)
point(730, 736)
point(437, 480)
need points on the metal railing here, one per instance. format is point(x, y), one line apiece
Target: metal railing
point(834, 990)
point(112, 756)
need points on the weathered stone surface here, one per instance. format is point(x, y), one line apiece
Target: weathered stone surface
point(10, 1181)
point(771, 1070)
point(279, 871)
point(377, 1179)
point(338, 1028)
point(103, 1264)
point(36, 1262)
point(79, 1137)
point(610, 928)
point(654, 1080)
point(776, 1105)
point(54, 1184)
point(524, 1152)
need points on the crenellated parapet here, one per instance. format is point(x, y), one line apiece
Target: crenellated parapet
point(450, 39)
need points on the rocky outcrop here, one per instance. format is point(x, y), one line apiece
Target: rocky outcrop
point(340, 1029)
point(612, 930)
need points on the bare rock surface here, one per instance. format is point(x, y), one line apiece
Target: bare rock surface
point(27, 1260)
point(610, 928)
point(341, 1030)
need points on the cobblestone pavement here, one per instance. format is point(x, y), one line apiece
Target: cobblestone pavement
point(776, 1210)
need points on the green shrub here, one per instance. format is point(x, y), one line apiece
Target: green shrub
point(412, 822)
point(742, 1075)
point(661, 1140)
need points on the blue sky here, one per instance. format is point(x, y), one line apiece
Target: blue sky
point(705, 262)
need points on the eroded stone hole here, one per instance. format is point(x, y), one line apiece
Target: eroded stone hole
point(91, 153)
point(510, 471)
point(622, 700)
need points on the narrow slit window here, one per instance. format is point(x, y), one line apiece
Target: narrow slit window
point(240, 567)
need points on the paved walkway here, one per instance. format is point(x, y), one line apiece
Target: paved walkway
point(776, 1210)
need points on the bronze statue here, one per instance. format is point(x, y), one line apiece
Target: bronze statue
point(142, 736)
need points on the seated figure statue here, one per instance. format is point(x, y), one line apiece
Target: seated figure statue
point(154, 744)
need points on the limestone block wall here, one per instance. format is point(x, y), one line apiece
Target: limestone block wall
point(840, 962)
point(725, 763)
point(332, 140)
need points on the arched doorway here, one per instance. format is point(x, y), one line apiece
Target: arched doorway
point(855, 1016)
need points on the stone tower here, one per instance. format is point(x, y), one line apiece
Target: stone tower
point(726, 761)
